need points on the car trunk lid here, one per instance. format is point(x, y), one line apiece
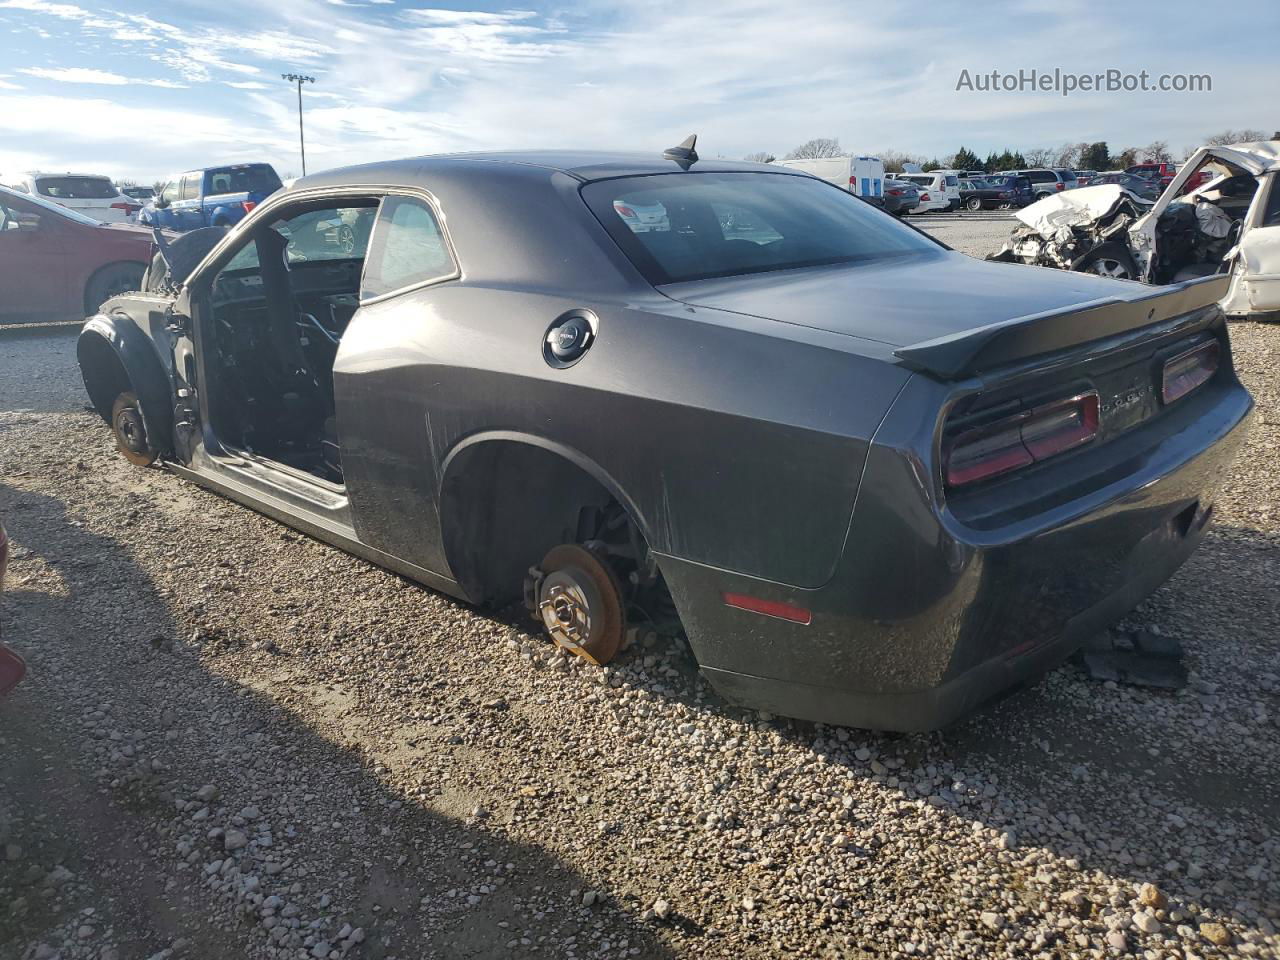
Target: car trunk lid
point(938, 309)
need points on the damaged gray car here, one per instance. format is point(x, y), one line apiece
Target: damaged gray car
point(1228, 225)
point(872, 480)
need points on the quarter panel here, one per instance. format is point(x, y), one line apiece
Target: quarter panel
point(738, 449)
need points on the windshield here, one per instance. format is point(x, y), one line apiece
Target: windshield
point(677, 227)
point(76, 188)
point(53, 208)
point(254, 178)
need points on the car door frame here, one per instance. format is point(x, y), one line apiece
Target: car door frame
point(295, 498)
point(1255, 273)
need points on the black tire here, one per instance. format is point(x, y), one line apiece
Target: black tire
point(129, 431)
point(1041, 196)
point(1108, 260)
point(1006, 205)
point(111, 281)
point(973, 203)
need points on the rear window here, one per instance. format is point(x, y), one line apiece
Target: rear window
point(1041, 176)
point(254, 178)
point(76, 188)
point(693, 226)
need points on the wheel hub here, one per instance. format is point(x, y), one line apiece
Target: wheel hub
point(129, 428)
point(565, 606)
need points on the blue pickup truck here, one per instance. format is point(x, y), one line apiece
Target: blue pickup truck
point(213, 197)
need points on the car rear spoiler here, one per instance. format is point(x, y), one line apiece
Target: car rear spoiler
point(982, 349)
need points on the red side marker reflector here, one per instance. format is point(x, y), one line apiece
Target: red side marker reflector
point(769, 608)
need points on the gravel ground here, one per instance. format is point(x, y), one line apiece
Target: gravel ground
point(237, 742)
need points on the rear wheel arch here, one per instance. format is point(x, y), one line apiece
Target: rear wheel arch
point(506, 499)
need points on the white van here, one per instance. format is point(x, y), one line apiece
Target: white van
point(861, 176)
point(943, 187)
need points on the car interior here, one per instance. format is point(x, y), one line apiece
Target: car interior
point(1197, 231)
point(278, 310)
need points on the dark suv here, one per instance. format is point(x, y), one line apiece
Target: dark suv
point(1045, 183)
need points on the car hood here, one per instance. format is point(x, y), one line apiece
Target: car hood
point(903, 300)
point(1075, 208)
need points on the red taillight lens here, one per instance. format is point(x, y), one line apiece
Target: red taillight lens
point(624, 210)
point(1189, 370)
point(1060, 185)
point(924, 196)
point(770, 608)
point(1021, 440)
point(894, 192)
point(249, 205)
point(126, 207)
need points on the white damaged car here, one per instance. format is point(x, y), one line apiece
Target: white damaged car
point(1229, 224)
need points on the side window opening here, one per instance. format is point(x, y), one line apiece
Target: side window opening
point(408, 249)
point(275, 314)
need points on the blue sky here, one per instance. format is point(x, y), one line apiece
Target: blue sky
point(139, 88)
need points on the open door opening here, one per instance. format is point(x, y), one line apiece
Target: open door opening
point(274, 317)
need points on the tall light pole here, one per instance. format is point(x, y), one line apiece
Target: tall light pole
point(299, 79)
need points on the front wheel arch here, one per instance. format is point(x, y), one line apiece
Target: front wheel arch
point(116, 357)
point(1109, 251)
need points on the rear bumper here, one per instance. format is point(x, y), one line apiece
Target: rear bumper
point(925, 619)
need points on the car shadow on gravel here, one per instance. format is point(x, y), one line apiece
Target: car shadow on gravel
point(104, 751)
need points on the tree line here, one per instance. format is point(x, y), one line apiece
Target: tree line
point(1082, 155)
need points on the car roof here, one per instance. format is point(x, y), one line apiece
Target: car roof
point(36, 174)
point(584, 165)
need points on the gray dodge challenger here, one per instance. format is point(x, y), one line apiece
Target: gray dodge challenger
point(872, 480)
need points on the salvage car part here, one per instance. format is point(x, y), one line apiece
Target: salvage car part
point(130, 432)
point(1219, 214)
point(580, 603)
point(914, 479)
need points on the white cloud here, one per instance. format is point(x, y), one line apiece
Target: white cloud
point(96, 77)
point(245, 84)
point(6, 84)
point(65, 11)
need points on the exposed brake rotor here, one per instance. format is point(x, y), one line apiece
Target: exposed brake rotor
point(579, 601)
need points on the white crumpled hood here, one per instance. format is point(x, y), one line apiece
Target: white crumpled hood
point(1072, 208)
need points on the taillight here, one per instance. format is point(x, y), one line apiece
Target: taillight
point(249, 205)
point(1004, 194)
point(894, 192)
point(1027, 437)
point(1060, 185)
point(1188, 370)
point(624, 210)
point(126, 207)
point(924, 196)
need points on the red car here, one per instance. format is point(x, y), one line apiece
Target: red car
point(1164, 173)
point(57, 264)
